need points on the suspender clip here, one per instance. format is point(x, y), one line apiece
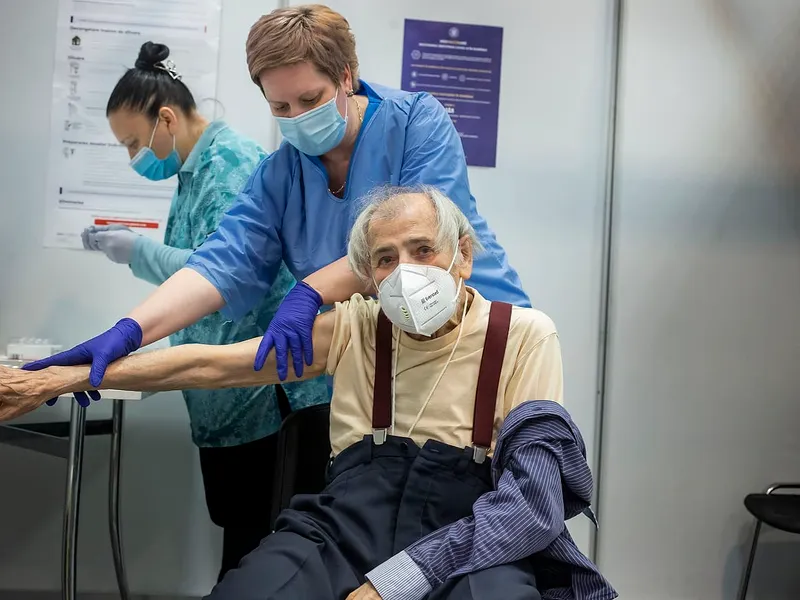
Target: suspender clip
point(479, 454)
point(379, 436)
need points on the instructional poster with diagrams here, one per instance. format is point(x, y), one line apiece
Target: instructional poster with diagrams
point(90, 181)
point(460, 66)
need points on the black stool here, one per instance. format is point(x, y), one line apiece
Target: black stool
point(781, 511)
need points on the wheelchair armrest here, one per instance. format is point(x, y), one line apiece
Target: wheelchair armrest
point(781, 486)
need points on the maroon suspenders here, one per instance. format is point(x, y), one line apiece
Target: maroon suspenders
point(382, 388)
point(494, 349)
point(488, 379)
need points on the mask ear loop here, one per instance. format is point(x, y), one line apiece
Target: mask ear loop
point(455, 253)
point(153, 135)
point(396, 342)
point(460, 279)
point(441, 374)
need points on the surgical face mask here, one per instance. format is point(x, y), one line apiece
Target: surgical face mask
point(148, 165)
point(317, 131)
point(419, 298)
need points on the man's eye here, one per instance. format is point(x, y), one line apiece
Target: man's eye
point(384, 260)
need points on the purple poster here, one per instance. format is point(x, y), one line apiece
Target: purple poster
point(460, 66)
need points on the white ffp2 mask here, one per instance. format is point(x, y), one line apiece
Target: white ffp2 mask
point(419, 298)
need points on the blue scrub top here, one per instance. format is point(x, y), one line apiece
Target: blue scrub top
point(286, 212)
point(208, 183)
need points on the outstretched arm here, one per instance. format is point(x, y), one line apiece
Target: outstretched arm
point(181, 300)
point(337, 282)
point(191, 366)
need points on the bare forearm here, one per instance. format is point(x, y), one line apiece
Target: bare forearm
point(183, 299)
point(186, 367)
point(192, 366)
point(337, 282)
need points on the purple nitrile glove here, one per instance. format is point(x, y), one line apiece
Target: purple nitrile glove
point(122, 339)
point(291, 328)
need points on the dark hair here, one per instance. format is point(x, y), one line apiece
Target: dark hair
point(150, 84)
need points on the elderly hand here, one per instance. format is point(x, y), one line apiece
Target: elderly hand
point(365, 592)
point(115, 241)
point(100, 351)
point(24, 391)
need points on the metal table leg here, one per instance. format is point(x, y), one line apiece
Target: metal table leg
point(114, 496)
point(77, 431)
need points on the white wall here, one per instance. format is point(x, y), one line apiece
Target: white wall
point(702, 404)
point(544, 201)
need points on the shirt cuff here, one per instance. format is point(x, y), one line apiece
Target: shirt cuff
point(399, 578)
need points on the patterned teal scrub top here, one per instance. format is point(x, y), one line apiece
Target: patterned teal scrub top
point(208, 183)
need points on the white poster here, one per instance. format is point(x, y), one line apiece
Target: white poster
point(89, 177)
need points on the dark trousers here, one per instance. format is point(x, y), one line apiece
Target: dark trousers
point(238, 483)
point(379, 499)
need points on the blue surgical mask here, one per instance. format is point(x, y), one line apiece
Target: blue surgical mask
point(317, 131)
point(148, 165)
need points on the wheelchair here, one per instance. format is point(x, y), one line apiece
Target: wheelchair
point(304, 449)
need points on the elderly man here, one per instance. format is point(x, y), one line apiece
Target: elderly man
point(429, 381)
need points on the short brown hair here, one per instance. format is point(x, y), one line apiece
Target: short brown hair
point(309, 33)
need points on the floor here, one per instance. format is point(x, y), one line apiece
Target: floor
point(12, 595)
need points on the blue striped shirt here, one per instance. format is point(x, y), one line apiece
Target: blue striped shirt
point(541, 479)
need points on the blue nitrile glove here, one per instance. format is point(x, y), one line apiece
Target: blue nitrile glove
point(291, 327)
point(116, 244)
point(122, 339)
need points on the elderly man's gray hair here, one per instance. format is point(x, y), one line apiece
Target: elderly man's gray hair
point(382, 203)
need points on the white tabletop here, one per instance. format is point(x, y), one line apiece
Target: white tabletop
point(118, 395)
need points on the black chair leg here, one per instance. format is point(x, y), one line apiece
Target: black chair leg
point(749, 566)
point(284, 406)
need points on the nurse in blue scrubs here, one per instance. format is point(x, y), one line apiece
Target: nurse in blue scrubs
point(342, 137)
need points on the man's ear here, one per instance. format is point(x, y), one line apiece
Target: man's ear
point(465, 252)
point(465, 249)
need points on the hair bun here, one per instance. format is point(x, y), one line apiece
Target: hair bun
point(150, 54)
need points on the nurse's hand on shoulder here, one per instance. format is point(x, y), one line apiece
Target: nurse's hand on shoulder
point(290, 330)
point(115, 241)
point(365, 592)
